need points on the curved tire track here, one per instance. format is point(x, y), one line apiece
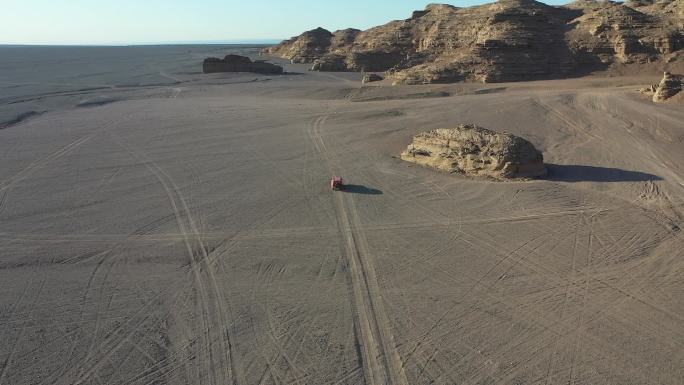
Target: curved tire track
point(214, 313)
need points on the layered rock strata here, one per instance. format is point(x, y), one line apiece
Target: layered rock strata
point(508, 40)
point(472, 150)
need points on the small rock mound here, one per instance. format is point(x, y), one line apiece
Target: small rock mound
point(472, 150)
point(670, 86)
point(369, 78)
point(237, 63)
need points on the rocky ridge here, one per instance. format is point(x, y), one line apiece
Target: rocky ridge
point(509, 40)
point(472, 150)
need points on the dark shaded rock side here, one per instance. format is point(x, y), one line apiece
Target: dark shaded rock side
point(237, 63)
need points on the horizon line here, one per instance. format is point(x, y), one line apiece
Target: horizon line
point(151, 43)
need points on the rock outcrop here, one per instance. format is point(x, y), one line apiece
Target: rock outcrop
point(504, 41)
point(670, 86)
point(618, 32)
point(370, 78)
point(306, 47)
point(472, 150)
point(237, 63)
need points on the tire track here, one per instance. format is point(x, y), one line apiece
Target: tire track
point(506, 257)
point(3, 201)
point(103, 183)
point(205, 356)
point(425, 369)
point(381, 362)
point(315, 196)
point(94, 361)
point(555, 112)
point(39, 163)
point(107, 256)
point(98, 311)
point(630, 288)
point(581, 325)
point(508, 254)
point(140, 233)
point(296, 335)
point(200, 263)
point(160, 367)
point(13, 349)
point(112, 345)
point(12, 313)
point(562, 329)
point(282, 347)
point(452, 233)
point(571, 281)
point(255, 234)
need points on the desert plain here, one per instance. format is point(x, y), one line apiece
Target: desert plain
point(185, 233)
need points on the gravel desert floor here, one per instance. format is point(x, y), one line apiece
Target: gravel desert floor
point(188, 235)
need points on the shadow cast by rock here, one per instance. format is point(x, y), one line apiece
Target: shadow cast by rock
point(359, 189)
point(577, 173)
point(20, 119)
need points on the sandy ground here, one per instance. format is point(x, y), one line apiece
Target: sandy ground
point(190, 238)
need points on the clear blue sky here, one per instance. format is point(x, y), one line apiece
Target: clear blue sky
point(168, 21)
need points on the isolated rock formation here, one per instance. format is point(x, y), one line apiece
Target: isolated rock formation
point(670, 86)
point(508, 40)
point(237, 63)
point(472, 150)
point(369, 78)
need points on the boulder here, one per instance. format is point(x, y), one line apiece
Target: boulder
point(369, 78)
point(670, 86)
point(472, 150)
point(237, 63)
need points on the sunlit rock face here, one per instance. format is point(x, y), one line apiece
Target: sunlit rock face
point(472, 150)
point(509, 40)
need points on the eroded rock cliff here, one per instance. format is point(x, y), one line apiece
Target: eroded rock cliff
point(505, 41)
point(472, 150)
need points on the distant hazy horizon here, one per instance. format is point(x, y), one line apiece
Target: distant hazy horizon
point(159, 22)
point(264, 42)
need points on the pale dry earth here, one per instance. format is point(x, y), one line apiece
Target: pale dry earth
point(190, 237)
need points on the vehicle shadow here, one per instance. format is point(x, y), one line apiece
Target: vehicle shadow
point(359, 189)
point(577, 173)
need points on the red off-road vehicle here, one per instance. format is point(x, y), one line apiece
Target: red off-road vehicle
point(336, 183)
